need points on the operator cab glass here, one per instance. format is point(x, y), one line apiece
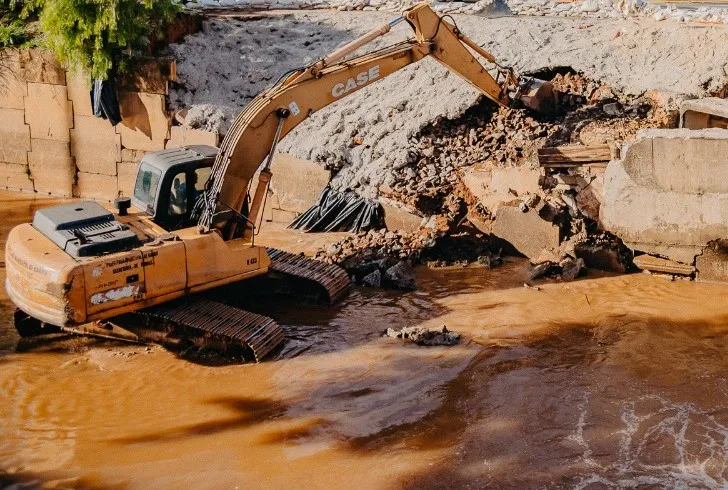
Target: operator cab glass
point(145, 189)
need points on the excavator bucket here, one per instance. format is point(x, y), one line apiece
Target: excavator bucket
point(538, 95)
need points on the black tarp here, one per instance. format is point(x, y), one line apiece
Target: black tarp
point(104, 102)
point(340, 211)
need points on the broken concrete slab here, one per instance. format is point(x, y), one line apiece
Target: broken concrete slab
point(16, 177)
point(658, 264)
point(710, 112)
point(181, 136)
point(525, 232)
point(48, 112)
point(397, 217)
point(96, 186)
point(15, 135)
point(51, 167)
point(145, 124)
point(41, 66)
point(95, 145)
point(663, 197)
point(492, 186)
point(712, 264)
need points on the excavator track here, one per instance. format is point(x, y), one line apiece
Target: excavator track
point(217, 326)
point(332, 278)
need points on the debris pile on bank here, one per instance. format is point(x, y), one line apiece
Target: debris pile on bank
point(425, 336)
point(554, 223)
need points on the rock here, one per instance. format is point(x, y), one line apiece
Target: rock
point(602, 257)
point(571, 268)
point(612, 109)
point(373, 280)
point(425, 336)
point(541, 270)
point(401, 276)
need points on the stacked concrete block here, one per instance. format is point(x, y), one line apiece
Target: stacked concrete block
point(126, 170)
point(145, 121)
point(14, 133)
point(51, 142)
point(182, 136)
point(48, 113)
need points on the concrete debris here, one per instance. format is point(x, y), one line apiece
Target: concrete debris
point(524, 232)
point(651, 263)
point(712, 264)
point(663, 196)
point(425, 336)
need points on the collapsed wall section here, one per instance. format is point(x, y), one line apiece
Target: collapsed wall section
point(666, 196)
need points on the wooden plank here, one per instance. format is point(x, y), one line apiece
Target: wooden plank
point(574, 155)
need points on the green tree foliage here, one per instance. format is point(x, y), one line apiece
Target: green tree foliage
point(96, 36)
point(17, 22)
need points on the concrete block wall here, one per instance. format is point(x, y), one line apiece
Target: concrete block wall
point(51, 143)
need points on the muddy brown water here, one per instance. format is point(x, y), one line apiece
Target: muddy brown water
point(606, 382)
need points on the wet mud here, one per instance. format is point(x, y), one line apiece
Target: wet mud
point(605, 382)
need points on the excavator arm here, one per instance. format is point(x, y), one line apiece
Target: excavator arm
point(253, 136)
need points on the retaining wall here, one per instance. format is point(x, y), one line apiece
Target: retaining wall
point(51, 143)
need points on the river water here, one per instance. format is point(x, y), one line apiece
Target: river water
point(605, 382)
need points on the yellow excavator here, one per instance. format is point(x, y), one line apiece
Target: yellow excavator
point(189, 226)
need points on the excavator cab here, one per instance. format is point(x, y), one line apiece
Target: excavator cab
point(169, 182)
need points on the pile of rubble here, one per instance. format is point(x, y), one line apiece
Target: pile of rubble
point(555, 227)
point(425, 336)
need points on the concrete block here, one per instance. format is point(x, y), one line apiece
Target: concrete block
point(665, 197)
point(79, 93)
point(181, 136)
point(41, 66)
point(134, 156)
point(95, 145)
point(145, 122)
point(48, 112)
point(16, 177)
point(712, 264)
point(126, 176)
point(13, 87)
point(296, 184)
point(397, 218)
point(96, 186)
point(527, 233)
point(493, 186)
point(51, 167)
point(14, 137)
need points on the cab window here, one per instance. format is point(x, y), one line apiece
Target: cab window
point(178, 195)
point(145, 188)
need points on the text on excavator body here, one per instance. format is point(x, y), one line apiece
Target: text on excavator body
point(361, 79)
